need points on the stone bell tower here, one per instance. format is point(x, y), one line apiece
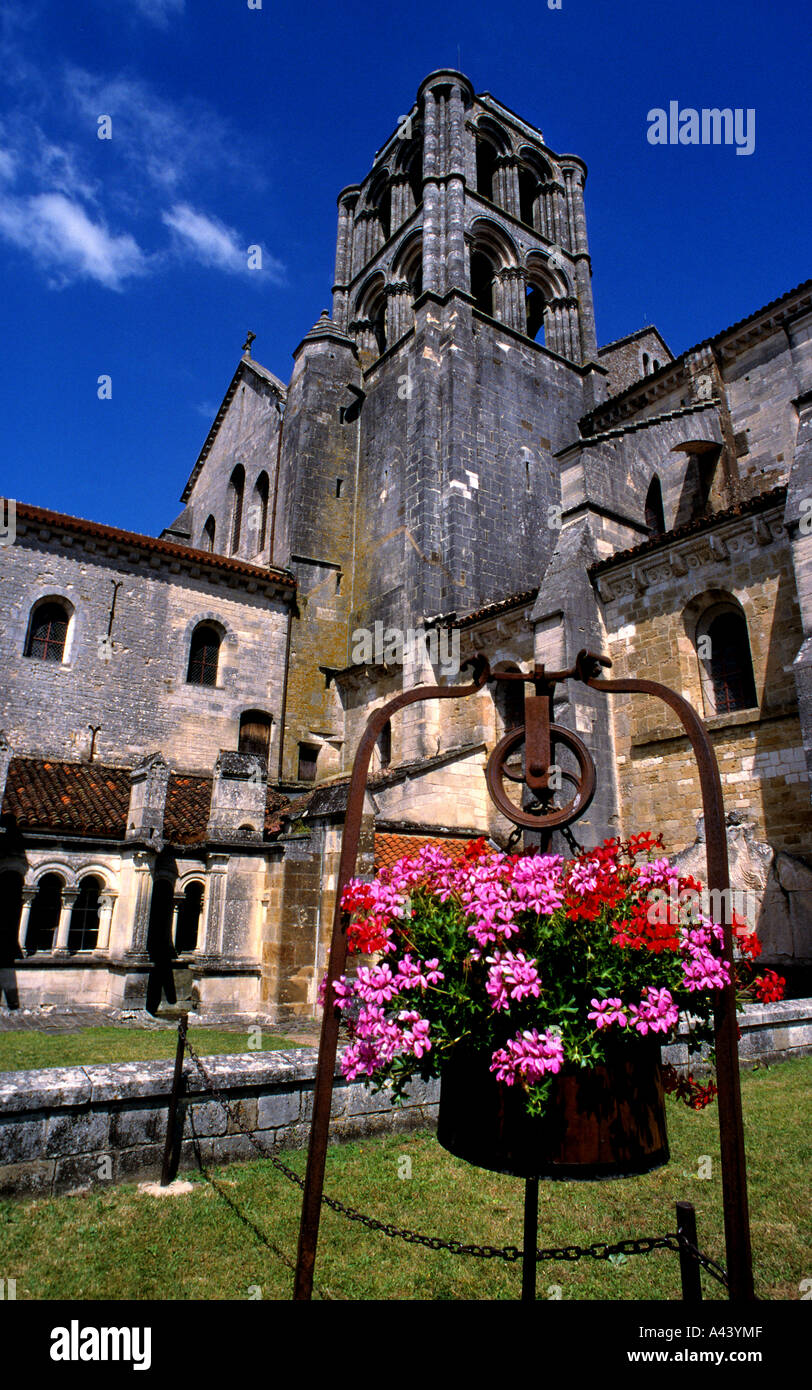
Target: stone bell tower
point(423, 418)
point(463, 277)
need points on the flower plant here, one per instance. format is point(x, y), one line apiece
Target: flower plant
point(539, 962)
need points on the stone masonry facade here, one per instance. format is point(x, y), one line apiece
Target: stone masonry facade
point(454, 457)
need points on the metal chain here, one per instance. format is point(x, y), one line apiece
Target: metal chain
point(599, 1250)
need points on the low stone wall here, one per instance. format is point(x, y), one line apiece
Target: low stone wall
point(67, 1129)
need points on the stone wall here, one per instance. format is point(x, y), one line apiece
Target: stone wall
point(68, 1129)
point(651, 609)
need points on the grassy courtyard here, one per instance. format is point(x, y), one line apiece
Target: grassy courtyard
point(234, 1236)
point(29, 1048)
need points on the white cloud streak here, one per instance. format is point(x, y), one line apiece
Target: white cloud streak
point(62, 239)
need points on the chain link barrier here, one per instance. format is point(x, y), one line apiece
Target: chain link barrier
point(598, 1250)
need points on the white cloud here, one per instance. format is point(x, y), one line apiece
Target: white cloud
point(62, 239)
point(210, 241)
point(158, 11)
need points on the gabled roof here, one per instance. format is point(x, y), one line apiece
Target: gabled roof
point(111, 537)
point(630, 338)
point(245, 365)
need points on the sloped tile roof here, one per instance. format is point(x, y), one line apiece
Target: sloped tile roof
point(390, 848)
point(76, 798)
point(88, 799)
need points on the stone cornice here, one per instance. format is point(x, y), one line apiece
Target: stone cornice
point(730, 540)
point(128, 548)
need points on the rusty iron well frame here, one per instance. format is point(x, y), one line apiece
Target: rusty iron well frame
point(539, 736)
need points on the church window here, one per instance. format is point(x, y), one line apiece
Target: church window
point(45, 912)
point(482, 275)
point(236, 490)
point(646, 360)
point(255, 733)
point(485, 168)
point(535, 304)
point(188, 920)
point(262, 490)
point(208, 534)
point(48, 631)
point(655, 366)
point(529, 189)
point(204, 652)
point(83, 932)
point(384, 744)
point(655, 517)
point(726, 666)
point(308, 759)
point(339, 486)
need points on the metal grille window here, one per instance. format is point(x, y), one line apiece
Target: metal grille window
point(203, 656)
point(731, 669)
point(723, 647)
point(48, 631)
point(83, 933)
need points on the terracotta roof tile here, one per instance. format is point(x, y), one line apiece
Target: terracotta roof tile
point(75, 798)
point(390, 848)
point(88, 799)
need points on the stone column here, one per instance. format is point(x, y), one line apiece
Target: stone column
point(143, 899)
point(177, 904)
point(69, 896)
point(432, 249)
point(398, 310)
point(216, 904)
point(455, 193)
point(344, 257)
point(29, 895)
point(106, 904)
point(583, 269)
point(510, 183)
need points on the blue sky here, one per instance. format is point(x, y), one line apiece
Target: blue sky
point(235, 127)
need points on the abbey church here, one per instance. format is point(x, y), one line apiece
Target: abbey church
point(454, 452)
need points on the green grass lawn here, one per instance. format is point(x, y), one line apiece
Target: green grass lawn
point(238, 1236)
point(20, 1051)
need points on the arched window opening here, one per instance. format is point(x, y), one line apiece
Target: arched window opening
point(655, 366)
point(48, 631)
point(655, 516)
point(83, 933)
point(262, 490)
point(646, 360)
point(482, 275)
point(535, 304)
point(204, 651)
point(378, 320)
point(11, 905)
point(414, 174)
point(308, 761)
point(45, 911)
point(385, 744)
point(723, 648)
point(528, 192)
point(255, 733)
point(209, 531)
point(509, 701)
point(188, 923)
point(485, 168)
point(237, 490)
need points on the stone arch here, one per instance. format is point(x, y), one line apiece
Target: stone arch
point(551, 309)
point(407, 179)
point(236, 495)
point(50, 629)
point(534, 176)
point(653, 511)
point(716, 624)
point(496, 279)
point(369, 322)
point(405, 287)
point(379, 201)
